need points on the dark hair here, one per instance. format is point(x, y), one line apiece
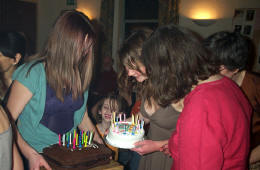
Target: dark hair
point(175, 60)
point(11, 43)
point(68, 54)
point(129, 54)
point(230, 49)
point(114, 99)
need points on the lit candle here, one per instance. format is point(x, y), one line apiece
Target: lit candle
point(114, 117)
point(120, 117)
point(136, 118)
point(133, 120)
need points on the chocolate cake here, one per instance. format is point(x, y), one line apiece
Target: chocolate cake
point(62, 158)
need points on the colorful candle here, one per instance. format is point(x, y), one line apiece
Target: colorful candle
point(114, 117)
point(70, 139)
point(80, 140)
point(133, 130)
point(83, 137)
point(59, 140)
point(120, 117)
point(77, 136)
point(133, 120)
point(86, 139)
point(90, 138)
point(142, 124)
point(136, 119)
point(74, 143)
point(63, 139)
point(67, 134)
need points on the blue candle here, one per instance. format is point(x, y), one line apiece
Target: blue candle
point(80, 138)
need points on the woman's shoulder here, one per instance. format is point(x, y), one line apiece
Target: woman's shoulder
point(30, 69)
point(210, 90)
point(4, 121)
point(254, 76)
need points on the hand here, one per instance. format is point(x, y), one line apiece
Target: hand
point(98, 139)
point(106, 132)
point(146, 146)
point(255, 155)
point(36, 161)
point(165, 149)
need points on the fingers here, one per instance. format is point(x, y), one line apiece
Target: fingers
point(46, 165)
point(140, 143)
point(106, 132)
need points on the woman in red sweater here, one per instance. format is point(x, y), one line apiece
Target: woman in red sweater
point(213, 129)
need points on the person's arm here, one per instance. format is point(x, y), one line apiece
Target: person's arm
point(255, 155)
point(19, 97)
point(17, 159)
point(148, 146)
point(4, 122)
point(87, 125)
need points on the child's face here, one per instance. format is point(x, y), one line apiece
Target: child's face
point(107, 109)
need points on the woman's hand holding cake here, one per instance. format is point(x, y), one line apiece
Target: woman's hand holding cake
point(148, 146)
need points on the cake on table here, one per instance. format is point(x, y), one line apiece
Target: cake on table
point(79, 153)
point(123, 134)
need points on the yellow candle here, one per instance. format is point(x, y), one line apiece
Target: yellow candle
point(133, 120)
point(77, 140)
point(86, 140)
point(114, 117)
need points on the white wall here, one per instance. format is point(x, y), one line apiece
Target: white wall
point(223, 10)
point(90, 7)
point(47, 12)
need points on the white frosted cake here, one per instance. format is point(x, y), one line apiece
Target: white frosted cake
point(124, 134)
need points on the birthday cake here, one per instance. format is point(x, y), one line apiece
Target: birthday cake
point(123, 134)
point(80, 156)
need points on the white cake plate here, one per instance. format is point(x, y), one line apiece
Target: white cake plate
point(118, 145)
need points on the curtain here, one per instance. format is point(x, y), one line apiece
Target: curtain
point(107, 20)
point(168, 12)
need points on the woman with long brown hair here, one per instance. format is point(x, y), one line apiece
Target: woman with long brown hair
point(162, 120)
point(49, 93)
point(213, 128)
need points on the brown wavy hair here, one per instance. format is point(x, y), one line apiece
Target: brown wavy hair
point(68, 54)
point(129, 55)
point(175, 60)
